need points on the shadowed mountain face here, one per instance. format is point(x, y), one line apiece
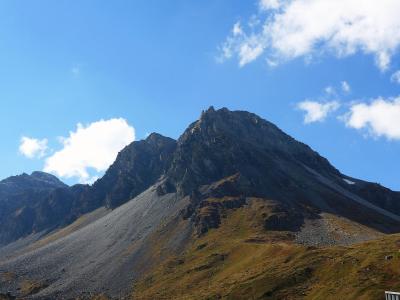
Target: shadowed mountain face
point(257, 157)
point(253, 158)
point(40, 202)
point(136, 168)
point(22, 183)
point(19, 195)
point(223, 143)
point(161, 195)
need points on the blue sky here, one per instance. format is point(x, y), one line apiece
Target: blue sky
point(157, 64)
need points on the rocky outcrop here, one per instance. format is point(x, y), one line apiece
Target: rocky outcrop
point(21, 198)
point(284, 220)
point(41, 202)
point(223, 154)
point(210, 211)
point(226, 164)
point(222, 143)
point(137, 167)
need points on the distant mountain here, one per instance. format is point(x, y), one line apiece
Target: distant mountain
point(37, 181)
point(18, 191)
point(41, 203)
point(18, 196)
point(232, 182)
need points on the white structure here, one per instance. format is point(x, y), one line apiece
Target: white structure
point(392, 296)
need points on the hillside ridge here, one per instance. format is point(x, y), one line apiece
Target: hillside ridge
point(229, 172)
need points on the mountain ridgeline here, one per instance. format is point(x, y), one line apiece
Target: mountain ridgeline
point(265, 161)
point(41, 203)
point(175, 192)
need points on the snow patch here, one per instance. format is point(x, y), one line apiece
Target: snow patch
point(349, 181)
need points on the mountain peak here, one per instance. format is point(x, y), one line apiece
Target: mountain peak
point(136, 168)
point(223, 143)
point(212, 112)
point(231, 171)
point(154, 135)
point(156, 138)
point(36, 180)
point(211, 109)
point(46, 177)
point(239, 125)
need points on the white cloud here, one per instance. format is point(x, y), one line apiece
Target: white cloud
point(33, 148)
point(316, 111)
point(249, 52)
point(237, 29)
point(330, 90)
point(396, 77)
point(94, 146)
point(381, 117)
point(269, 4)
point(346, 88)
point(291, 29)
point(248, 48)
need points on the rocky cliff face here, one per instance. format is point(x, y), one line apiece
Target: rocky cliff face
point(36, 181)
point(137, 167)
point(230, 172)
point(238, 154)
point(222, 143)
point(40, 202)
point(19, 197)
point(225, 153)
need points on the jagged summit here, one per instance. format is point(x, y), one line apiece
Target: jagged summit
point(49, 178)
point(243, 126)
point(37, 180)
point(20, 198)
point(161, 195)
point(260, 158)
point(156, 137)
point(136, 168)
point(223, 142)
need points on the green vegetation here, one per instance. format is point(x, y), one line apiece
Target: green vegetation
point(240, 260)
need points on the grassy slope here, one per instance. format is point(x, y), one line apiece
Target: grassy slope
point(242, 261)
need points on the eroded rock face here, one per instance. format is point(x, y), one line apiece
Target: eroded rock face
point(223, 154)
point(41, 202)
point(378, 195)
point(284, 221)
point(137, 167)
point(224, 162)
point(223, 143)
point(21, 198)
point(239, 154)
point(210, 211)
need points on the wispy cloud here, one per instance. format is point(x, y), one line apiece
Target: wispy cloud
point(246, 47)
point(270, 4)
point(290, 29)
point(346, 88)
point(33, 148)
point(330, 90)
point(317, 111)
point(395, 77)
point(319, 108)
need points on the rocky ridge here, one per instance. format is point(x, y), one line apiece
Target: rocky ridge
point(160, 195)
